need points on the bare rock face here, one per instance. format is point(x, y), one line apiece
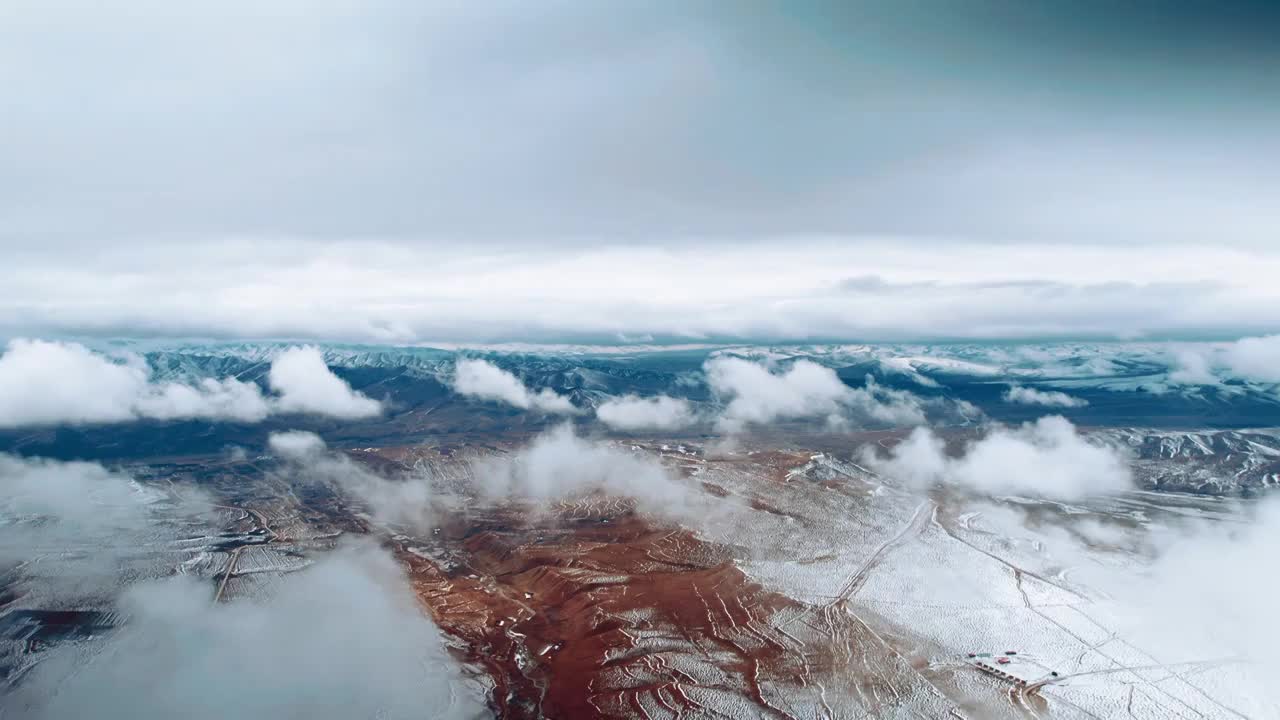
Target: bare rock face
point(604, 615)
point(1221, 462)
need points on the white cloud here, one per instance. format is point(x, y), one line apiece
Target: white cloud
point(654, 413)
point(558, 464)
point(1046, 458)
point(758, 396)
point(1050, 398)
point(43, 383)
point(773, 290)
point(307, 385)
point(1216, 575)
point(227, 398)
point(1255, 359)
point(1192, 368)
point(296, 444)
point(919, 459)
point(1167, 573)
point(343, 638)
point(484, 380)
point(50, 383)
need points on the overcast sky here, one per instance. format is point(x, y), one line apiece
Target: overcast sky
point(382, 170)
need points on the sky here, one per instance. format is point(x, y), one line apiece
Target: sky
point(405, 172)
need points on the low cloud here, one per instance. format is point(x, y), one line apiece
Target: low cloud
point(1046, 458)
point(1189, 590)
point(632, 412)
point(1253, 359)
point(54, 383)
point(1192, 368)
point(1215, 575)
point(46, 505)
point(757, 395)
point(296, 444)
point(1048, 398)
point(47, 383)
point(559, 465)
point(484, 380)
point(343, 638)
point(81, 495)
point(77, 528)
point(307, 385)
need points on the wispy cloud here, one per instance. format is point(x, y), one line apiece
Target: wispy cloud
point(403, 501)
point(78, 529)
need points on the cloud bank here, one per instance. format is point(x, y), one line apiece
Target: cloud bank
point(1251, 359)
point(46, 383)
point(632, 412)
point(53, 383)
point(1254, 358)
point(1047, 458)
point(484, 380)
point(765, 292)
point(758, 396)
point(343, 638)
point(1048, 398)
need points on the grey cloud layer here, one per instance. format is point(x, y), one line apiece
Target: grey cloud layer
point(308, 170)
point(495, 119)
